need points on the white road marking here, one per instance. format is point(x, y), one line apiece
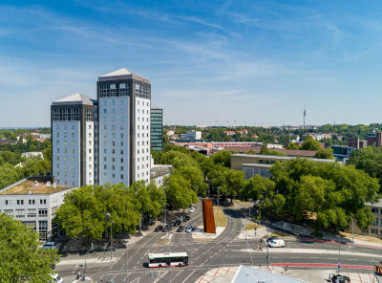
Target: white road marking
point(185, 280)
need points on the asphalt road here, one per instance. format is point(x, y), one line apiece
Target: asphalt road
point(225, 250)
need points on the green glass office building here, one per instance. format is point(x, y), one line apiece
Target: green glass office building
point(156, 128)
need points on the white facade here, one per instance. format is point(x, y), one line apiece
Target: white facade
point(34, 209)
point(89, 152)
point(114, 139)
point(66, 156)
point(193, 135)
point(142, 140)
point(73, 141)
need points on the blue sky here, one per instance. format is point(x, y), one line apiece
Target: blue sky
point(209, 62)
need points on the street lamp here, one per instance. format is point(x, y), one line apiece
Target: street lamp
point(352, 222)
point(339, 254)
point(108, 218)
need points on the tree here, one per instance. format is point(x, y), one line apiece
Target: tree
point(21, 258)
point(293, 146)
point(325, 153)
point(222, 157)
point(310, 144)
point(82, 215)
point(178, 192)
point(264, 149)
point(8, 175)
point(333, 192)
point(195, 176)
point(234, 181)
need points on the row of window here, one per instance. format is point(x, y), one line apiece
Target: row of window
point(21, 201)
point(375, 210)
point(31, 212)
point(376, 222)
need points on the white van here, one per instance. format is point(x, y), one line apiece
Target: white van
point(276, 243)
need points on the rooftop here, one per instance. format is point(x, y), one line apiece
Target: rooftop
point(32, 187)
point(120, 74)
point(76, 98)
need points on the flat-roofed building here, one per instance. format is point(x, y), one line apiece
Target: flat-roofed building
point(73, 140)
point(259, 164)
point(124, 100)
point(34, 201)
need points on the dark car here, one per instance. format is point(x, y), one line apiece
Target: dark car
point(340, 279)
point(159, 228)
point(167, 228)
point(186, 218)
point(177, 223)
point(270, 239)
point(180, 229)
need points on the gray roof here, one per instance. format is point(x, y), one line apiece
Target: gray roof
point(280, 157)
point(122, 74)
point(247, 274)
point(76, 98)
point(375, 204)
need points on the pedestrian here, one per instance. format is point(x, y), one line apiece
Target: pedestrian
point(78, 274)
point(257, 248)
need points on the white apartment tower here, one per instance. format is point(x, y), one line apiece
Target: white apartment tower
point(124, 100)
point(73, 140)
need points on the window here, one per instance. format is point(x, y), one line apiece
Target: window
point(122, 170)
point(121, 176)
point(112, 86)
point(374, 210)
point(121, 151)
point(113, 159)
point(20, 213)
point(8, 211)
point(31, 201)
point(375, 222)
point(42, 201)
point(105, 111)
point(113, 167)
point(42, 212)
point(31, 212)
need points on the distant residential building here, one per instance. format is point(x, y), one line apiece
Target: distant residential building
point(73, 140)
point(170, 133)
point(354, 142)
point(157, 129)
point(33, 154)
point(259, 164)
point(342, 153)
point(229, 133)
point(159, 172)
point(243, 132)
point(34, 201)
point(193, 135)
point(9, 142)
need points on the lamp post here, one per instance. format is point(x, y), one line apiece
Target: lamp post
point(108, 218)
point(86, 255)
point(352, 229)
point(339, 254)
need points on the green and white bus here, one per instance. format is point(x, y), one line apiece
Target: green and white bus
point(167, 259)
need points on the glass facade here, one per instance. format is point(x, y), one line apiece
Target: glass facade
point(157, 129)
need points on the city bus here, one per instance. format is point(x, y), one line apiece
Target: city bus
point(167, 259)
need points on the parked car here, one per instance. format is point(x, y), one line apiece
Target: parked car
point(186, 218)
point(272, 239)
point(167, 228)
point(49, 245)
point(57, 278)
point(276, 244)
point(340, 279)
point(180, 229)
point(192, 209)
point(189, 229)
point(159, 228)
point(177, 223)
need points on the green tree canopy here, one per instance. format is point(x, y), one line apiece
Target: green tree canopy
point(178, 192)
point(332, 191)
point(310, 144)
point(21, 258)
point(222, 157)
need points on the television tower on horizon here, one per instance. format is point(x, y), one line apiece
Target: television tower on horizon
point(304, 115)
